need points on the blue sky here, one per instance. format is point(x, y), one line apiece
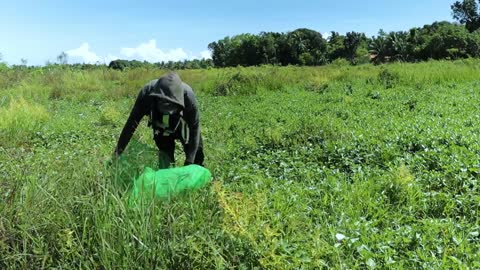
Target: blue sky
point(91, 31)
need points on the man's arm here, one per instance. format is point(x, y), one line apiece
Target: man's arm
point(192, 117)
point(136, 115)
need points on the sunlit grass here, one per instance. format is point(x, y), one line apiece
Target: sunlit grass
point(314, 167)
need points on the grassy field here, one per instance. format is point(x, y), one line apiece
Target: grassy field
point(328, 167)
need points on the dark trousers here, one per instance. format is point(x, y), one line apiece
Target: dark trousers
point(166, 147)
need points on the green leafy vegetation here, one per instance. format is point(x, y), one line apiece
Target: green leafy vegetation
point(337, 167)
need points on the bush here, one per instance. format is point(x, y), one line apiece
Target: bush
point(10, 77)
point(320, 88)
point(388, 78)
point(20, 119)
point(238, 84)
point(400, 186)
point(109, 116)
point(340, 62)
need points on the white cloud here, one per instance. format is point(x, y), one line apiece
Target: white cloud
point(327, 35)
point(146, 51)
point(84, 53)
point(149, 52)
point(205, 54)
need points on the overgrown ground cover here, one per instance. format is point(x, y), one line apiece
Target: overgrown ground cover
point(331, 167)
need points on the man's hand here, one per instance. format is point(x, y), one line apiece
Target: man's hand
point(109, 161)
point(116, 154)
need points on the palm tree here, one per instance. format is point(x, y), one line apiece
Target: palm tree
point(378, 49)
point(399, 45)
point(351, 43)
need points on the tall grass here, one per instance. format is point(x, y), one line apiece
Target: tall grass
point(314, 168)
point(20, 119)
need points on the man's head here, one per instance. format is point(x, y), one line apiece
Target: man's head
point(168, 93)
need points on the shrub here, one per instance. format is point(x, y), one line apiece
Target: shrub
point(109, 116)
point(320, 88)
point(238, 84)
point(340, 62)
point(388, 78)
point(400, 187)
point(20, 119)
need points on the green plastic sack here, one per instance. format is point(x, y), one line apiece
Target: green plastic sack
point(166, 183)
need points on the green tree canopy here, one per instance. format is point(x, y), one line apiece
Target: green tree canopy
point(467, 12)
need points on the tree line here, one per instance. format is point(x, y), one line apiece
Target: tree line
point(172, 65)
point(440, 40)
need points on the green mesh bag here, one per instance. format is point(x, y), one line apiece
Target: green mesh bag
point(166, 183)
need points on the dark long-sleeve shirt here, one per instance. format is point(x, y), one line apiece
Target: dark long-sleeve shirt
point(172, 89)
